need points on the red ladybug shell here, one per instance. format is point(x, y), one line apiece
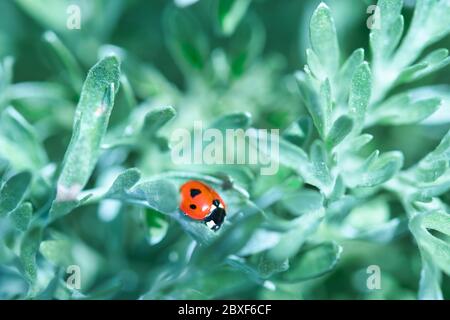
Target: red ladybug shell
point(197, 199)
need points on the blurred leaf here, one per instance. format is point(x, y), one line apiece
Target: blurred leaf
point(185, 3)
point(324, 39)
point(246, 45)
point(312, 262)
point(299, 132)
point(159, 195)
point(186, 40)
point(90, 123)
point(19, 143)
point(157, 224)
point(6, 75)
point(430, 278)
point(230, 13)
point(13, 192)
point(66, 59)
point(340, 129)
point(240, 120)
point(57, 251)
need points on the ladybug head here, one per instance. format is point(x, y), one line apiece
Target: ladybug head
point(216, 217)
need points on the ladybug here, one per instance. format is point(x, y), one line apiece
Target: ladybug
point(201, 202)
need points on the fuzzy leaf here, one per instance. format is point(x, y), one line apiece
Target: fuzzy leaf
point(340, 129)
point(28, 250)
point(13, 192)
point(90, 123)
point(376, 169)
point(402, 110)
point(321, 171)
point(324, 39)
point(360, 90)
point(21, 216)
point(384, 40)
point(346, 72)
point(318, 105)
point(434, 61)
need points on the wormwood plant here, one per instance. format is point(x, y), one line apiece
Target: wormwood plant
point(103, 204)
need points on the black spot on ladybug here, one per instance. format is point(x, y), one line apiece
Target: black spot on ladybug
point(195, 192)
point(216, 202)
point(193, 206)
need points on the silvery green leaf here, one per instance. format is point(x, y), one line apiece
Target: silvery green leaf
point(437, 248)
point(61, 208)
point(230, 13)
point(339, 131)
point(434, 61)
point(28, 250)
point(376, 169)
point(21, 216)
point(312, 262)
point(90, 124)
point(402, 109)
point(321, 170)
point(158, 194)
point(324, 39)
point(157, 225)
point(123, 183)
point(185, 3)
point(346, 72)
point(314, 65)
point(386, 33)
point(302, 202)
point(359, 97)
point(13, 192)
point(433, 166)
point(318, 105)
